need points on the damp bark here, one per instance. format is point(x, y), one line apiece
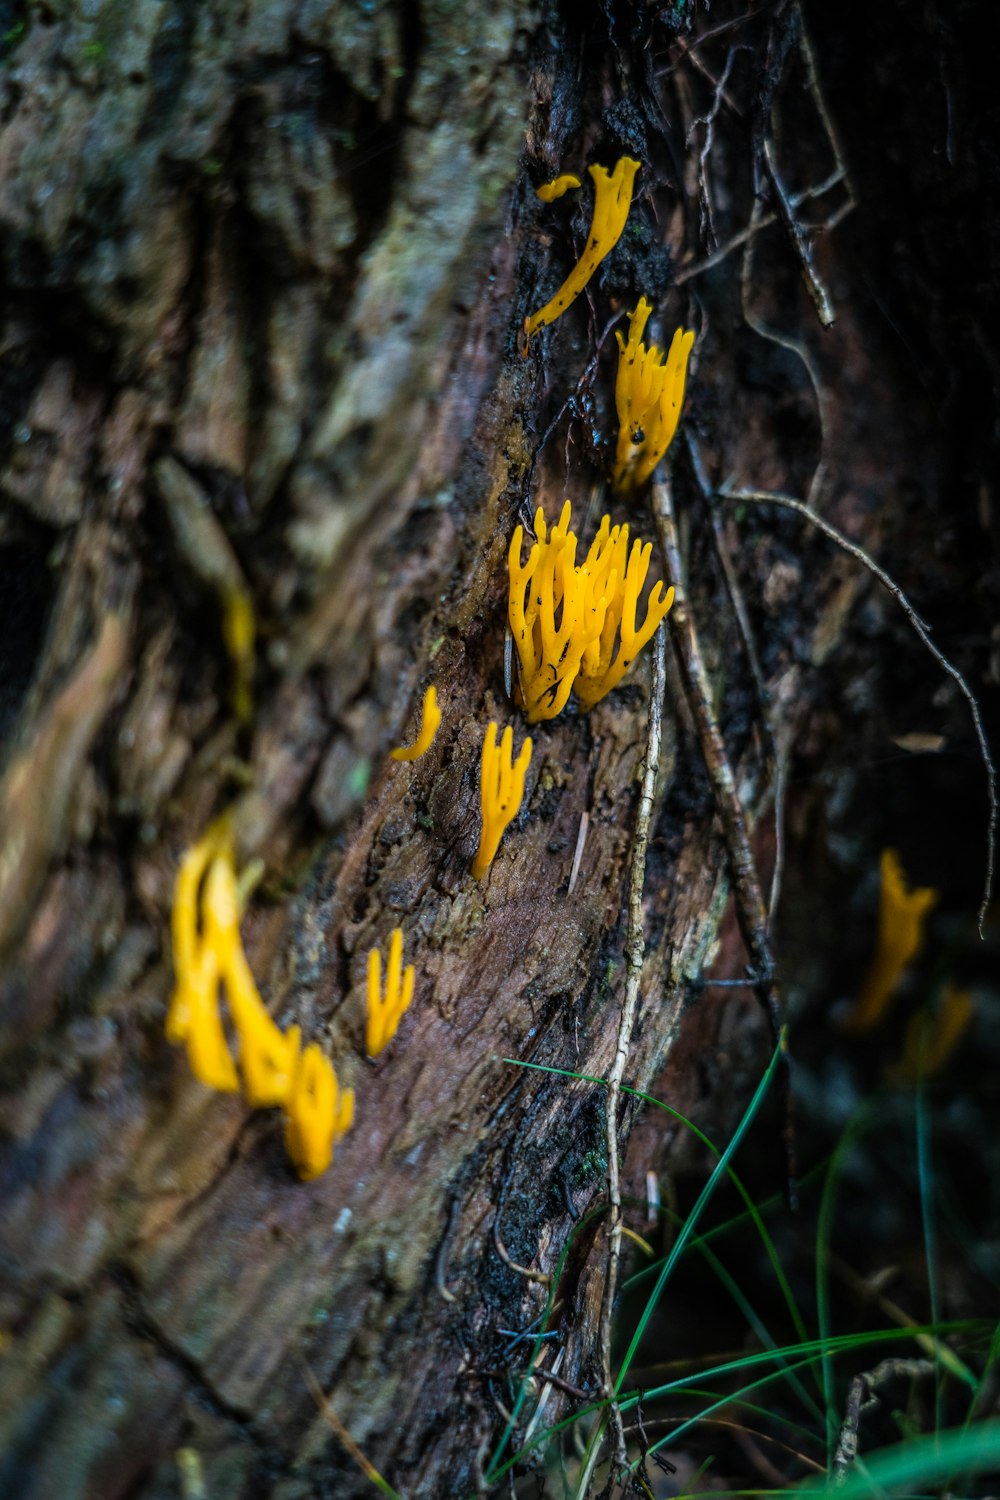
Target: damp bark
point(263, 275)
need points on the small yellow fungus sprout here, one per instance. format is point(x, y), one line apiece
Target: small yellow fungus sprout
point(612, 201)
point(239, 630)
point(901, 918)
point(649, 394)
point(429, 724)
point(550, 191)
point(501, 791)
point(209, 957)
point(602, 669)
point(386, 1011)
point(596, 602)
point(318, 1112)
point(932, 1036)
point(549, 656)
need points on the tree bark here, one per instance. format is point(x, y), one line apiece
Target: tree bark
point(264, 272)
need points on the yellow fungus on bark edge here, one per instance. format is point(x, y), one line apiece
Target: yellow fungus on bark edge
point(317, 1114)
point(430, 721)
point(612, 201)
point(385, 1011)
point(501, 790)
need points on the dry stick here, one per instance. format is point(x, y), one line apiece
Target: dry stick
point(750, 650)
point(803, 249)
point(746, 887)
point(789, 502)
point(764, 221)
point(634, 952)
point(705, 197)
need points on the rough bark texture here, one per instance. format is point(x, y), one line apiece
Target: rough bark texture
point(263, 270)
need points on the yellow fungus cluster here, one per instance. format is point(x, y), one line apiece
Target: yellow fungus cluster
point(649, 394)
point(550, 191)
point(386, 1009)
point(596, 638)
point(273, 1067)
point(430, 722)
point(612, 201)
point(932, 1036)
point(901, 919)
point(501, 790)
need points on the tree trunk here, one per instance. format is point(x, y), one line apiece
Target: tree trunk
point(264, 271)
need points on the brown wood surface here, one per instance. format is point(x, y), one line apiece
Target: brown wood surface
point(264, 268)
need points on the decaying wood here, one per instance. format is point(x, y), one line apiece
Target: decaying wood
point(263, 269)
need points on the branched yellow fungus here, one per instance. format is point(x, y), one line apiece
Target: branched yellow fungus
point(932, 1036)
point(500, 792)
point(901, 919)
point(596, 603)
point(549, 656)
point(550, 191)
point(602, 668)
point(612, 200)
point(193, 1016)
point(429, 724)
point(318, 1112)
point(386, 1011)
point(649, 394)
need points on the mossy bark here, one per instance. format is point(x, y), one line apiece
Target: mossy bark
point(263, 274)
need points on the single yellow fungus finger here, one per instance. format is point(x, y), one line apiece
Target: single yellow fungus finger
point(649, 395)
point(239, 631)
point(429, 724)
point(317, 1114)
point(385, 1011)
point(550, 191)
point(612, 200)
point(501, 792)
point(901, 919)
point(268, 1056)
point(932, 1036)
point(205, 1039)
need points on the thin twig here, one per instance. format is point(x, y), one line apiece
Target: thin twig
point(581, 839)
point(789, 502)
point(707, 225)
point(746, 887)
point(802, 247)
point(634, 953)
point(764, 221)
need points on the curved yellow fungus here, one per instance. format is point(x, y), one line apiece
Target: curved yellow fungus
point(649, 394)
point(612, 201)
point(550, 191)
point(596, 603)
point(932, 1036)
point(386, 1011)
point(208, 956)
point(901, 918)
point(318, 1112)
point(500, 792)
point(429, 724)
point(268, 1056)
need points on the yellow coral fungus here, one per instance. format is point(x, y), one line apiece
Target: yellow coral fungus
point(549, 656)
point(550, 191)
point(602, 667)
point(317, 1114)
point(932, 1036)
point(209, 957)
point(500, 792)
point(386, 1011)
point(429, 723)
point(649, 394)
point(239, 630)
point(612, 200)
point(901, 919)
point(596, 603)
